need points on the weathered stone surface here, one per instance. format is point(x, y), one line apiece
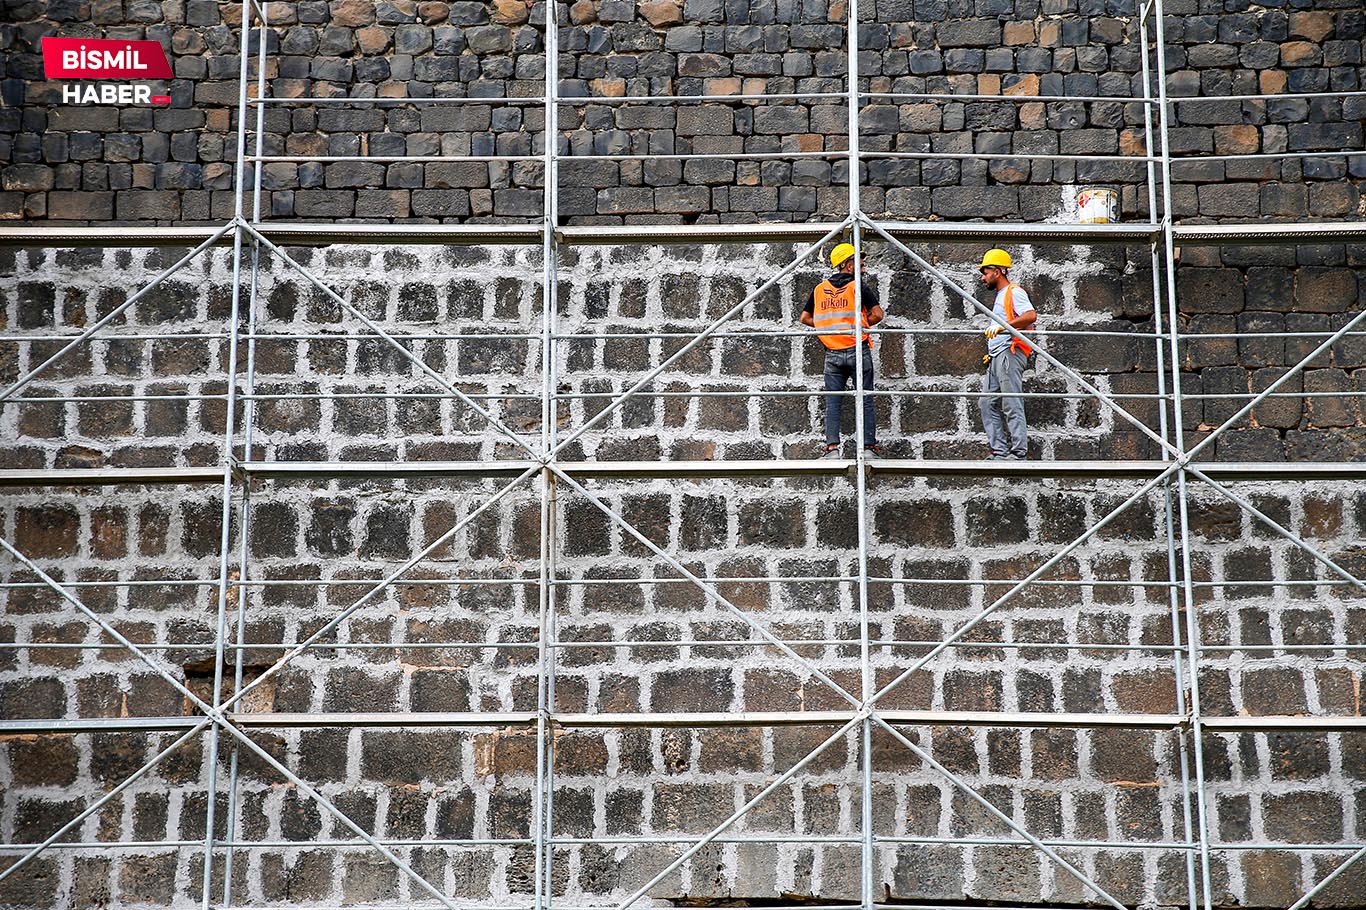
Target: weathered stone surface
point(79, 163)
point(411, 647)
point(660, 13)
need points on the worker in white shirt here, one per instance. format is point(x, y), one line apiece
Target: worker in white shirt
point(1003, 413)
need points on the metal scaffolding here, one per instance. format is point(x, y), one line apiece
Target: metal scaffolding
point(224, 718)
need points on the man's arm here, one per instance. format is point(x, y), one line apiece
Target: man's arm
point(1025, 317)
point(869, 295)
point(807, 312)
point(872, 304)
point(1021, 322)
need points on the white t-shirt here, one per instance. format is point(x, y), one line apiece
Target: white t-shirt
point(1020, 300)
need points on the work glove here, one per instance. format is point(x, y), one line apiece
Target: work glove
point(992, 330)
point(986, 359)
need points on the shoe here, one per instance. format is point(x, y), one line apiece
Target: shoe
point(994, 457)
point(831, 452)
point(874, 450)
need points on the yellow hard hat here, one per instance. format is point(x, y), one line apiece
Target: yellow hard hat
point(840, 253)
point(998, 258)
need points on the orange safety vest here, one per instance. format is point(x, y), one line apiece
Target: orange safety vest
point(1016, 345)
point(833, 311)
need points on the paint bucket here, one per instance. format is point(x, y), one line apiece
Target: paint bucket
point(1097, 205)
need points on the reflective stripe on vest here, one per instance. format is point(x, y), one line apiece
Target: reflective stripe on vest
point(833, 311)
point(1016, 345)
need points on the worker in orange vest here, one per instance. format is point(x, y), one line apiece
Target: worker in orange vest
point(831, 310)
point(1003, 413)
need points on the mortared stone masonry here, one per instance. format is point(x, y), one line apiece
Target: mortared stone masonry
point(92, 164)
point(412, 649)
point(146, 559)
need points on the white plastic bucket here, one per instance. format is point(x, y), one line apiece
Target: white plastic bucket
point(1097, 205)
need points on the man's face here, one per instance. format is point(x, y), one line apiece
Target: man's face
point(990, 275)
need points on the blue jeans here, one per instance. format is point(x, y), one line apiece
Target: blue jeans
point(839, 373)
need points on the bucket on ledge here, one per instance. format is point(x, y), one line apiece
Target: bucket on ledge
point(1097, 205)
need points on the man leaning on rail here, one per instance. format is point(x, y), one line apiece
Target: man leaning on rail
point(1003, 413)
point(830, 309)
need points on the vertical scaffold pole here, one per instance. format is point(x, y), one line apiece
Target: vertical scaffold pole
point(545, 690)
point(229, 432)
point(248, 426)
point(1173, 601)
point(867, 855)
point(258, 167)
point(1178, 431)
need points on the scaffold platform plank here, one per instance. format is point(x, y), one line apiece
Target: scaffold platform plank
point(323, 234)
point(279, 232)
point(299, 233)
point(1255, 234)
point(403, 719)
point(642, 235)
point(356, 470)
point(911, 467)
point(646, 470)
point(1219, 470)
point(896, 717)
point(115, 236)
point(1277, 723)
point(1022, 232)
point(690, 720)
point(90, 477)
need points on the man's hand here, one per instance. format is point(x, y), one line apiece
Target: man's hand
point(992, 330)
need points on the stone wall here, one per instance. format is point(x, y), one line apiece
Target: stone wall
point(421, 784)
point(313, 545)
point(70, 163)
point(928, 362)
point(147, 558)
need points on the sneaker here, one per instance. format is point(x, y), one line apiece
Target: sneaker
point(874, 450)
point(831, 452)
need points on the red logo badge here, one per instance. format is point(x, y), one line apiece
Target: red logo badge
point(104, 58)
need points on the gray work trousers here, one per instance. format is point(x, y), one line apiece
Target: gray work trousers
point(1003, 413)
